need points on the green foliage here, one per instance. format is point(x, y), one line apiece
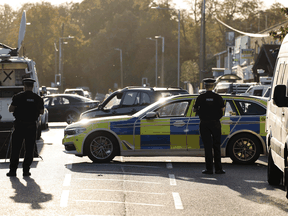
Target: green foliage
point(100, 26)
point(280, 33)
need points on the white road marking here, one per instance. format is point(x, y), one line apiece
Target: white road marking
point(93, 179)
point(64, 198)
point(126, 173)
point(125, 191)
point(254, 181)
point(172, 179)
point(67, 180)
point(101, 201)
point(213, 179)
point(156, 167)
point(177, 200)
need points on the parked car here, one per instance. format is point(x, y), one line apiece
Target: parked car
point(44, 119)
point(130, 100)
point(170, 127)
point(257, 90)
point(67, 107)
point(75, 91)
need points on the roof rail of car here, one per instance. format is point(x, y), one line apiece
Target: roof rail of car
point(130, 87)
point(175, 87)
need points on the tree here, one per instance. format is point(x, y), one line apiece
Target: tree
point(280, 34)
point(190, 72)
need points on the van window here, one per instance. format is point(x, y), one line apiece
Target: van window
point(280, 75)
point(258, 92)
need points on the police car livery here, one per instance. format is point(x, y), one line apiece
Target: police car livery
point(169, 127)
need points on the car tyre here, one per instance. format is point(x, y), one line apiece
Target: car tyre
point(101, 147)
point(244, 148)
point(71, 117)
point(274, 175)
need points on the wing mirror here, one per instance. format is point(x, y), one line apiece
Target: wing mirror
point(279, 96)
point(150, 115)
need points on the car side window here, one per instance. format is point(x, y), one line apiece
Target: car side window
point(46, 102)
point(250, 108)
point(114, 101)
point(174, 109)
point(55, 101)
point(131, 98)
point(258, 92)
point(230, 109)
point(65, 101)
point(145, 99)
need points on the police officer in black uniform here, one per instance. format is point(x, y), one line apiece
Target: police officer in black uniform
point(26, 107)
point(210, 107)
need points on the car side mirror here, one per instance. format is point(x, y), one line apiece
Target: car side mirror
point(279, 96)
point(150, 115)
point(119, 95)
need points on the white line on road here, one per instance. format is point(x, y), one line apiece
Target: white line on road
point(126, 173)
point(177, 201)
point(67, 180)
point(254, 181)
point(64, 198)
point(97, 165)
point(93, 179)
point(172, 179)
point(125, 191)
point(101, 201)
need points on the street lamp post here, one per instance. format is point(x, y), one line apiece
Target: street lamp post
point(156, 60)
point(121, 66)
point(60, 58)
point(178, 77)
point(56, 50)
point(162, 71)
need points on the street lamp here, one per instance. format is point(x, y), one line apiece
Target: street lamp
point(162, 72)
point(60, 58)
point(56, 50)
point(121, 66)
point(159, 8)
point(156, 72)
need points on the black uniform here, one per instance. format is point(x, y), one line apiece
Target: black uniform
point(28, 106)
point(209, 108)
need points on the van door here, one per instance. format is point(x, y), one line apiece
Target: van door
point(274, 114)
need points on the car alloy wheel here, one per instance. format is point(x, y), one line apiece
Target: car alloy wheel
point(71, 117)
point(244, 149)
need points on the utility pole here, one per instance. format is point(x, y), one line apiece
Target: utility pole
point(202, 43)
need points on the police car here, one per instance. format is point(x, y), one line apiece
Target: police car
point(169, 127)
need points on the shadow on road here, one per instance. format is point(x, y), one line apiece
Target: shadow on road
point(248, 181)
point(30, 193)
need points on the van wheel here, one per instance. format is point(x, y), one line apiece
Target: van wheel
point(244, 149)
point(101, 147)
point(274, 175)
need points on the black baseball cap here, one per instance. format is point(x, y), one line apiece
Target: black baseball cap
point(209, 81)
point(29, 80)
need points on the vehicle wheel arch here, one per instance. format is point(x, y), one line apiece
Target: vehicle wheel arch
point(257, 136)
point(102, 130)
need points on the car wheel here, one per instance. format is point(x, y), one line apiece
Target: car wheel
point(71, 117)
point(101, 147)
point(244, 149)
point(274, 175)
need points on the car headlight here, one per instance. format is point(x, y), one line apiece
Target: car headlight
point(74, 131)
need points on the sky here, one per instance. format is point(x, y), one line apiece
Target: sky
point(16, 4)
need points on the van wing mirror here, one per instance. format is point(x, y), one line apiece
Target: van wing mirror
point(279, 96)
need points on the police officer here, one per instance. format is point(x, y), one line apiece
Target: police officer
point(210, 107)
point(26, 107)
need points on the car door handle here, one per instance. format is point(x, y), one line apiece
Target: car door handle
point(179, 123)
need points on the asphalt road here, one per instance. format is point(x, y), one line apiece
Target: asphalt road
point(63, 184)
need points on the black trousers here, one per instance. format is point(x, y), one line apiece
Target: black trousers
point(210, 132)
point(23, 131)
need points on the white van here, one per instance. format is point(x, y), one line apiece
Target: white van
point(277, 121)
